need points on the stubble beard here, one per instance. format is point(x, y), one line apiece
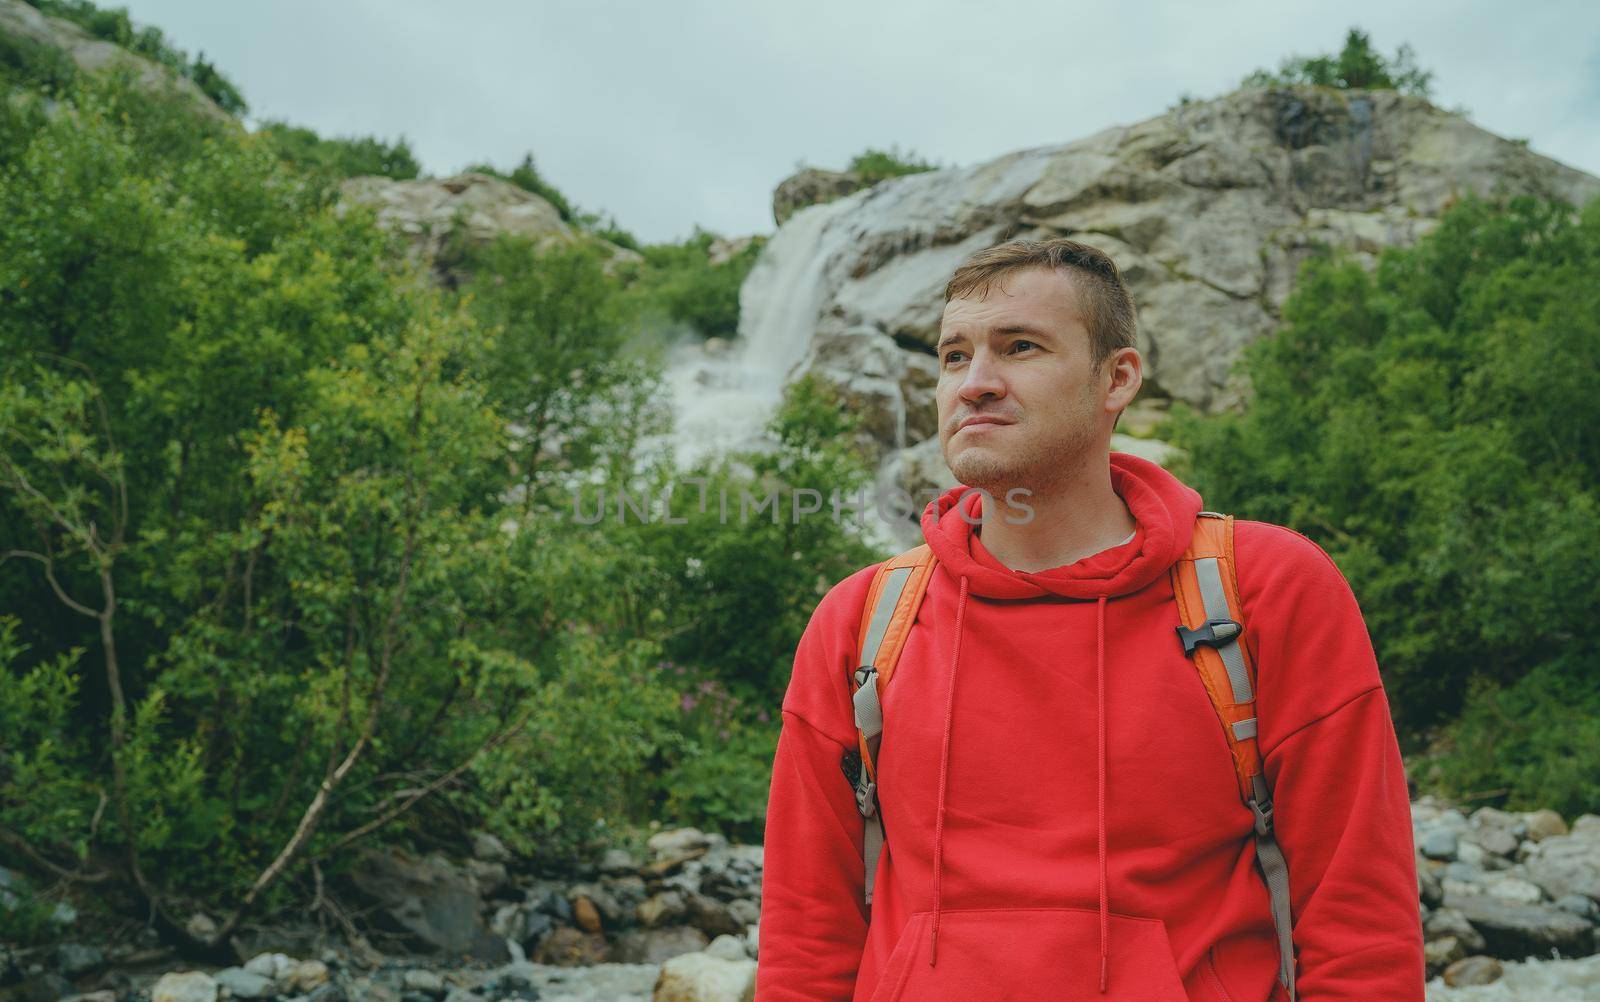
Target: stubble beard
point(1038, 465)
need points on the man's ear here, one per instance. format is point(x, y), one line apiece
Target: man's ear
point(1127, 377)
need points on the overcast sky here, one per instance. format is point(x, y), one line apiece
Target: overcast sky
point(672, 113)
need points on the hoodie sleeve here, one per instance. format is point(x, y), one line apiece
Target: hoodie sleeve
point(813, 919)
point(1341, 806)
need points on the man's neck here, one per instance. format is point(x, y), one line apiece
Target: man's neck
point(1076, 516)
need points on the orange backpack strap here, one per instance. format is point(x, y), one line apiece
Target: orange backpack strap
point(1206, 586)
point(892, 601)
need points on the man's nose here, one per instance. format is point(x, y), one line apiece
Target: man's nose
point(982, 378)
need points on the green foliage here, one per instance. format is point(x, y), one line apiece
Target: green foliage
point(874, 165)
point(1357, 65)
point(525, 175)
point(340, 157)
point(721, 780)
point(26, 63)
point(43, 794)
point(679, 284)
point(580, 767)
point(1531, 744)
point(113, 25)
point(738, 580)
point(555, 362)
point(1431, 425)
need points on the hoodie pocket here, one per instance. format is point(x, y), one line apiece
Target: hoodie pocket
point(1030, 955)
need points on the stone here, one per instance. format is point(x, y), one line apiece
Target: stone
point(1580, 905)
point(241, 984)
point(1473, 971)
point(75, 959)
point(1566, 864)
point(1586, 826)
point(569, 947)
point(656, 946)
point(270, 965)
point(586, 914)
point(307, 975)
point(1437, 954)
point(105, 995)
point(1449, 922)
point(1544, 824)
point(678, 842)
point(489, 848)
point(424, 981)
point(189, 986)
point(1470, 853)
point(699, 977)
point(435, 903)
point(1429, 890)
point(711, 916)
point(812, 186)
point(744, 911)
point(1513, 930)
point(661, 909)
point(1499, 841)
point(1513, 889)
point(1440, 843)
point(727, 947)
point(333, 993)
point(618, 861)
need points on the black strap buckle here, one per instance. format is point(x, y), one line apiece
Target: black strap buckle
point(1212, 633)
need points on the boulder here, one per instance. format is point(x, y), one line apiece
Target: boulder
point(811, 186)
point(1512, 930)
point(1473, 971)
point(242, 984)
point(432, 901)
point(188, 986)
point(700, 977)
point(569, 947)
point(656, 946)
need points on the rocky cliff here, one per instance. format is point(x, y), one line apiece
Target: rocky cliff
point(1210, 209)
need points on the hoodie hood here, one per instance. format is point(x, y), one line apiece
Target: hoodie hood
point(1164, 510)
point(1163, 507)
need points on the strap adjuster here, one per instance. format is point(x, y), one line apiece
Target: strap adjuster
point(1213, 633)
point(1263, 815)
point(866, 790)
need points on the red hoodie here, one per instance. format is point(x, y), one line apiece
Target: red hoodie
point(1058, 798)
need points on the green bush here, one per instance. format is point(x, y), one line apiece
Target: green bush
point(1357, 65)
point(874, 165)
point(340, 157)
point(1431, 425)
point(679, 284)
point(1532, 744)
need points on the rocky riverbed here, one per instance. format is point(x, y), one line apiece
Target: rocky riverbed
point(1509, 901)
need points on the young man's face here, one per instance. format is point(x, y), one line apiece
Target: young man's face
point(1020, 402)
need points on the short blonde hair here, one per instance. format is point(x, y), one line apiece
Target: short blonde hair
point(1108, 311)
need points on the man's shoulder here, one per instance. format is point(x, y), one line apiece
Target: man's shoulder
point(845, 599)
point(1259, 546)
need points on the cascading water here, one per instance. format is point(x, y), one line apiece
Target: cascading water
point(723, 399)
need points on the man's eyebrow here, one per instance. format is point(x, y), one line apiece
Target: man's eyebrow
point(1037, 332)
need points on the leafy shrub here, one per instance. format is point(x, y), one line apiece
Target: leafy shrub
point(680, 284)
point(1531, 744)
point(1431, 425)
point(1357, 65)
point(341, 157)
point(874, 165)
point(525, 175)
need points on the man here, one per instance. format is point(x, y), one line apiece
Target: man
point(1059, 804)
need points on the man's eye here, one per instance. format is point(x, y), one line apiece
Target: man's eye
point(953, 356)
point(1022, 345)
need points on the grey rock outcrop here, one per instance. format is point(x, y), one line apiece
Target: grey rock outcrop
point(812, 186)
point(24, 25)
point(1209, 209)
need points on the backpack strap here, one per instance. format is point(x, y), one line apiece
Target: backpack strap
point(1206, 587)
point(896, 592)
